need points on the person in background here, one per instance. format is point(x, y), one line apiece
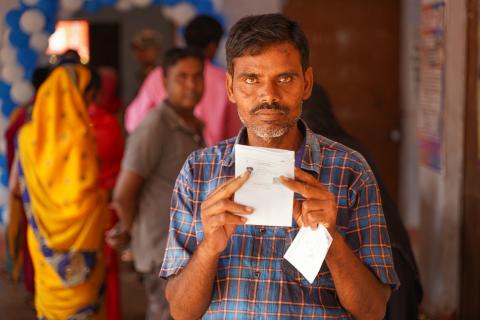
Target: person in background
point(146, 46)
point(155, 152)
point(219, 115)
point(57, 176)
point(110, 146)
point(17, 227)
point(404, 302)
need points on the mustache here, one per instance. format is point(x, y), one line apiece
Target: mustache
point(269, 106)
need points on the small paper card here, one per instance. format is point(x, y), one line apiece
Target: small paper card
point(308, 251)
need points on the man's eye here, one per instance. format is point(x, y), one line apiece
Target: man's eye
point(250, 80)
point(285, 79)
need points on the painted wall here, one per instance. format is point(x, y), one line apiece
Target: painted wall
point(131, 22)
point(431, 200)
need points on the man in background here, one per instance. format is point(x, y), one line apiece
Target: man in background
point(220, 117)
point(155, 153)
point(146, 46)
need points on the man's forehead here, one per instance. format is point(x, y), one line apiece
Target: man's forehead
point(271, 58)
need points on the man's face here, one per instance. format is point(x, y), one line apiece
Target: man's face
point(146, 56)
point(184, 83)
point(268, 89)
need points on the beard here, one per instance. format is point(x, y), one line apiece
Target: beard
point(268, 131)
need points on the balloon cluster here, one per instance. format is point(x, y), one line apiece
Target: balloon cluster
point(31, 23)
point(29, 26)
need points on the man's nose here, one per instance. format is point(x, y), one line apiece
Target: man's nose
point(268, 92)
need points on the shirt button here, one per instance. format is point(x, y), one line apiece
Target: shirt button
point(262, 230)
point(257, 274)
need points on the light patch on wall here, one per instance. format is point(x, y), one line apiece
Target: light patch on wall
point(70, 35)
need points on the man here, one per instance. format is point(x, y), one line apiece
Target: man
point(220, 117)
point(219, 268)
point(155, 153)
point(146, 45)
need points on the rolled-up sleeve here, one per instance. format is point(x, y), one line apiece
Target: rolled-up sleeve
point(182, 240)
point(367, 234)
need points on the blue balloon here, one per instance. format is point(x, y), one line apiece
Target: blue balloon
point(27, 57)
point(108, 2)
point(205, 7)
point(12, 18)
point(170, 2)
point(49, 8)
point(7, 106)
point(3, 170)
point(28, 72)
point(50, 25)
point(4, 89)
point(91, 6)
point(18, 38)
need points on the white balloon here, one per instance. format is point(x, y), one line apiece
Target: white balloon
point(32, 20)
point(180, 14)
point(30, 2)
point(8, 55)
point(218, 4)
point(39, 41)
point(123, 5)
point(12, 73)
point(22, 91)
point(71, 6)
point(141, 3)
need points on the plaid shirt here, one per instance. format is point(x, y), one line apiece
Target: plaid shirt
point(253, 280)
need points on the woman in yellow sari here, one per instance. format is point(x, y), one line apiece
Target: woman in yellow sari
point(65, 206)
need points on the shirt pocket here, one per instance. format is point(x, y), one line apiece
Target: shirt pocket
point(291, 274)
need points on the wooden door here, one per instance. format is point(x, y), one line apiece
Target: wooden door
point(355, 54)
point(470, 259)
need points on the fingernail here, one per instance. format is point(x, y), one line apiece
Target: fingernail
point(243, 219)
point(249, 169)
point(249, 209)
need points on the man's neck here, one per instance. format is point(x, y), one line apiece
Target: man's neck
point(186, 114)
point(290, 141)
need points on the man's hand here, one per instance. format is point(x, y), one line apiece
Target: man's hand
point(220, 214)
point(319, 206)
point(117, 237)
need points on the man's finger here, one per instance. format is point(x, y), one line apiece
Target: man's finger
point(229, 188)
point(306, 190)
point(228, 206)
point(223, 219)
point(303, 176)
point(297, 212)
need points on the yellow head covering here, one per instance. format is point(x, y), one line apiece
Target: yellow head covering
point(59, 160)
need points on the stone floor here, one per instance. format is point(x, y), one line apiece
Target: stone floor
point(14, 304)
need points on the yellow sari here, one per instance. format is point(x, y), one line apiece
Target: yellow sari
point(65, 206)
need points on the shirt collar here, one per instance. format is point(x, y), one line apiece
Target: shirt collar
point(311, 154)
point(174, 121)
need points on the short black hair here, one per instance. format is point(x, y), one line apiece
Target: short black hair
point(95, 83)
point(202, 31)
point(173, 55)
point(40, 74)
point(253, 34)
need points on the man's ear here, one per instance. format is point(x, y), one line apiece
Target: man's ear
point(308, 76)
point(229, 84)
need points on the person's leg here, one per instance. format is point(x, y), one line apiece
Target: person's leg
point(157, 308)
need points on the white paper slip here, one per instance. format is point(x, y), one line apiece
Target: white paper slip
point(308, 251)
point(271, 201)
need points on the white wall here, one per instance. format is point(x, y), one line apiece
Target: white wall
point(431, 200)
